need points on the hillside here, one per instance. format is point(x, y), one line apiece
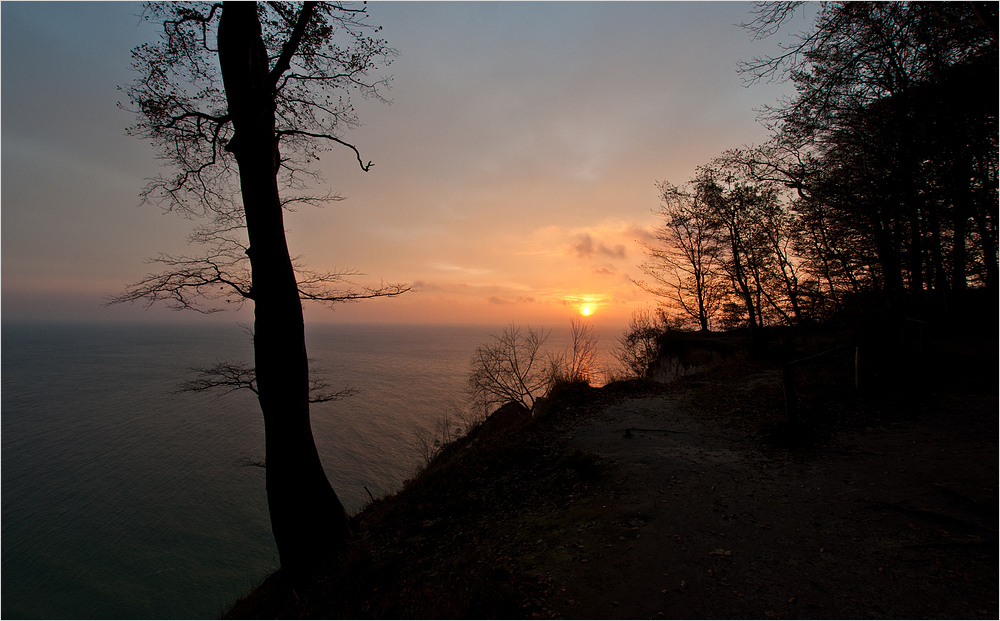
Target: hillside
point(695, 500)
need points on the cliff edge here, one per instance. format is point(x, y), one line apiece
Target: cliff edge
point(694, 499)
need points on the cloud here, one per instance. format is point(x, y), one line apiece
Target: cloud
point(449, 267)
point(585, 247)
point(424, 286)
point(521, 299)
point(605, 270)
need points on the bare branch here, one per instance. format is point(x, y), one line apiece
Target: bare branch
point(299, 132)
point(225, 377)
point(196, 283)
point(181, 105)
point(312, 201)
point(319, 391)
point(228, 377)
point(509, 368)
point(320, 287)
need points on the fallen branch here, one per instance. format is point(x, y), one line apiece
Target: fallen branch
point(629, 430)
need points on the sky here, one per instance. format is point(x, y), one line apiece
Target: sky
point(514, 175)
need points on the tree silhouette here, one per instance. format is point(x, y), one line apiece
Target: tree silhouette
point(881, 173)
point(578, 364)
point(510, 367)
point(685, 262)
point(892, 135)
point(239, 99)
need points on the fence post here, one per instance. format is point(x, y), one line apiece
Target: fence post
point(857, 369)
point(788, 382)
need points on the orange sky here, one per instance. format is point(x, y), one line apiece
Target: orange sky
point(514, 170)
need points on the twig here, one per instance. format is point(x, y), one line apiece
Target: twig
point(631, 429)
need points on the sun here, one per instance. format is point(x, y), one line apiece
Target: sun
point(586, 310)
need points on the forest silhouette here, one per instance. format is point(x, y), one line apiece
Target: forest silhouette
point(880, 178)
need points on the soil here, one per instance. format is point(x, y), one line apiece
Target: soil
point(691, 500)
point(695, 519)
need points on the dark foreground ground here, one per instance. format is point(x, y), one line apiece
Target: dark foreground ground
point(695, 500)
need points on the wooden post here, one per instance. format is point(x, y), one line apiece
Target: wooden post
point(857, 368)
point(788, 382)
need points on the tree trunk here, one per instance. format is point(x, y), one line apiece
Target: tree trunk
point(887, 246)
point(699, 281)
point(915, 258)
point(307, 519)
point(959, 257)
point(743, 287)
point(988, 242)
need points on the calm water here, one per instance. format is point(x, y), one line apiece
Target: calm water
point(123, 499)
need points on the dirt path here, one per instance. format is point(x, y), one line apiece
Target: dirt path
point(636, 501)
point(691, 518)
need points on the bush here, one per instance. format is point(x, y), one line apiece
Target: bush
point(637, 346)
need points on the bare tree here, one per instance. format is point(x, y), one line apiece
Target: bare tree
point(579, 363)
point(239, 99)
point(583, 351)
point(509, 368)
point(684, 263)
point(732, 208)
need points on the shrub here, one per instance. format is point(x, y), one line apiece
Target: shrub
point(637, 347)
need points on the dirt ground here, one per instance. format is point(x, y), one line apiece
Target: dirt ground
point(692, 518)
point(687, 501)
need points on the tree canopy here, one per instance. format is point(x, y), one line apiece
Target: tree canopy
point(881, 172)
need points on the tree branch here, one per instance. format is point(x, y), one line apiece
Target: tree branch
point(292, 45)
point(227, 377)
point(299, 132)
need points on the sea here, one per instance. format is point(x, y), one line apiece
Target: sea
point(124, 498)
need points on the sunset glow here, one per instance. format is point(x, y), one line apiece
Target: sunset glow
point(514, 173)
